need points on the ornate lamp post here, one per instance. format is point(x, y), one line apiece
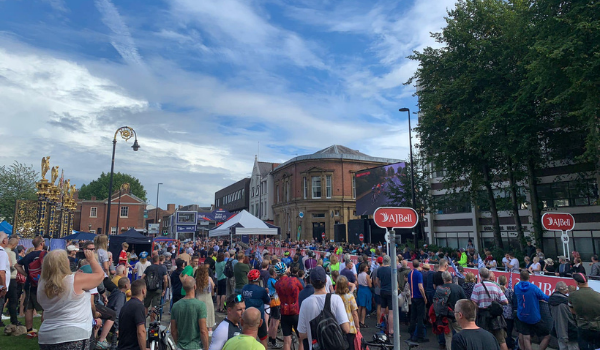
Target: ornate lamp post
point(43, 192)
point(412, 172)
point(126, 133)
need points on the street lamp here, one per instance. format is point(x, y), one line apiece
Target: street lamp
point(412, 171)
point(126, 133)
point(156, 210)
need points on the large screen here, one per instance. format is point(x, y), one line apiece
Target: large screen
point(372, 186)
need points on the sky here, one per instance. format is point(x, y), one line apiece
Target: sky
point(207, 85)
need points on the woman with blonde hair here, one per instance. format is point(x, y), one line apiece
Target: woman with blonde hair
point(469, 284)
point(65, 298)
point(204, 291)
point(535, 268)
point(101, 243)
point(334, 264)
point(343, 290)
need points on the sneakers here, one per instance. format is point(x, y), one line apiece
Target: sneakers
point(32, 334)
point(102, 345)
point(276, 345)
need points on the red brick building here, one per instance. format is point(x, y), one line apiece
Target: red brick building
point(319, 187)
point(126, 211)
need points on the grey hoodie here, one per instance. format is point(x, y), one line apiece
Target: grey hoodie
point(564, 322)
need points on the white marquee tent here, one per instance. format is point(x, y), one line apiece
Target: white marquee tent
point(244, 223)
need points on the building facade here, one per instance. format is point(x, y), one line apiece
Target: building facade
point(234, 198)
point(262, 190)
point(126, 211)
point(567, 188)
point(314, 192)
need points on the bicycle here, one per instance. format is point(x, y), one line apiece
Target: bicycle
point(158, 335)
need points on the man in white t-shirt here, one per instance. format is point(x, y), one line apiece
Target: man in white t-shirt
point(313, 305)
point(4, 267)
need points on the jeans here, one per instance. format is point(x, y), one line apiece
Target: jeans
point(417, 314)
point(13, 300)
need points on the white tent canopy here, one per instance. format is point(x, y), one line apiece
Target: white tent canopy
point(244, 223)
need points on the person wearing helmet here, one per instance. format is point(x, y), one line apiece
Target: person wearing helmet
point(286, 258)
point(141, 265)
point(275, 316)
point(256, 296)
point(288, 288)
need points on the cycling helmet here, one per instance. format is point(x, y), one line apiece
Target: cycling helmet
point(280, 268)
point(253, 275)
point(380, 338)
point(286, 253)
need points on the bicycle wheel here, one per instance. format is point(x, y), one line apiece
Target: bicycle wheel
point(154, 345)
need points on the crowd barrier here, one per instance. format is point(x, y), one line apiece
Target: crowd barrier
point(546, 283)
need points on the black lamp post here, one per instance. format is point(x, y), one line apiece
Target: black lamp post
point(126, 133)
point(412, 172)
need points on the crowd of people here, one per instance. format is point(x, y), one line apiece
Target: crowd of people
point(311, 292)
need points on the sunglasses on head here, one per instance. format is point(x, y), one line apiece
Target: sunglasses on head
point(236, 299)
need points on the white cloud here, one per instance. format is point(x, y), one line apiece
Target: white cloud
point(121, 38)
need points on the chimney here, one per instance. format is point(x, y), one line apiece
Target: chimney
point(93, 198)
point(170, 208)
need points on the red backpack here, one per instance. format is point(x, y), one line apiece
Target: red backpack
point(35, 269)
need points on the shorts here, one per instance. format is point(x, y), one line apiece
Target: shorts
point(289, 322)
point(262, 331)
point(275, 312)
point(500, 335)
point(31, 301)
point(377, 299)
point(386, 300)
point(222, 287)
point(152, 298)
point(530, 329)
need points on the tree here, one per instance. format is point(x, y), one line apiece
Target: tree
point(99, 188)
point(17, 181)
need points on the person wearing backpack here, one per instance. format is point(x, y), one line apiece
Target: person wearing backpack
point(31, 267)
point(444, 302)
point(323, 319)
point(156, 282)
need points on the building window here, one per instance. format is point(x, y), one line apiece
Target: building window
point(354, 187)
point(328, 186)
point(316, 187)
point(287, 191)
point(337, 213)
point(304, 187)
point(124, 212)
point(113, 230)
point(569, 193)
point(277, 192)
point(318, 215)
point(93, 212)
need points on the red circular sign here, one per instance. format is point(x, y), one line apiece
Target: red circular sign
point(361, 237)
point(558, 222)
point(323, 235)
point(388, 217)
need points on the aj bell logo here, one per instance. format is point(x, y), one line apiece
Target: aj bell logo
point(558, 222)
point(397, 218)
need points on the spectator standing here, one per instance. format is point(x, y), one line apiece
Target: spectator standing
point(384, 281)
point(564, 325)
point(31, 301)
point(72, 251)
point(240, 272)
point(585, 304)
point(256, 296)
point(13, 295)
point(188, 319)
point(535, 268)
point(350, 276)
point(176, 285)
point(563, 267)
point(101, 243)
point(221, 281)
point(343, 290)
point(471, 337)
point(595, 264)
point(456, 294)
point(307, 291)
point(530, 249)
point(418, 300)
point(64, 297)
point(118, 298)
point(577, 267)
point(230, 327)
point(529, 319)
point(483, 295)
point(189, 270)
point(251, 323)
point(141, 265)
point(231, 280)
point(376, 289)
point(5, 268)
point(312, 306)
point(469, 284)
point(204, 290)
point(364, 294)
point(508, 311)
point(549, 267)
point(288, 289)
point(156, 280)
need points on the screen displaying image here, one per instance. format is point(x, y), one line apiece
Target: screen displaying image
point(186, 218)
point(373, 186)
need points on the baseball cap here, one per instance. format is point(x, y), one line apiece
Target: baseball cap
point(380, 259)
point(318, 275)
point(72, 248)
point(143, 255)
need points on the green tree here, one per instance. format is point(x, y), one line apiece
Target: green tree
point(17, 181)
point(99, 187)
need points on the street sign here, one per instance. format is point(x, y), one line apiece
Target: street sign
point(301, 214)
point(558, 222)
point(361, 237)
point(389, 217)
point(323, 235)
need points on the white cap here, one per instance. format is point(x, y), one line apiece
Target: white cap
point(72, 248)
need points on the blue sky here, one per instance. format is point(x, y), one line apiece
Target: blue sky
point(203, 82)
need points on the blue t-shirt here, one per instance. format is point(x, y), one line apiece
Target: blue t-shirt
point(414, 278)
point(271, 285)
point(384, 273)
point(349, 275)
point(256, 296)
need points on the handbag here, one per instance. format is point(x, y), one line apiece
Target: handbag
point(495, 308)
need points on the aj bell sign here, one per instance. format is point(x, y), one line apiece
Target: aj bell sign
point(558, 222)
point(388, 217)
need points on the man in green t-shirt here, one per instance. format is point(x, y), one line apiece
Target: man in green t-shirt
point(189, 270)
point(188, 319)
point(240, 273)
point(251, 322)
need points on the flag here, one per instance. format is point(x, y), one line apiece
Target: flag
point(480, 263)
point(510, 281)
point(456, 272)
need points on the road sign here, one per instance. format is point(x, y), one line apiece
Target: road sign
point(558, 222)
point(323, 235)
point(361, 237)
point(389, 217)
point(301, 214)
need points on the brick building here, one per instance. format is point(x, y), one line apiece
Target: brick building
point(152, 215)
point(319, 187)
point(126, 211)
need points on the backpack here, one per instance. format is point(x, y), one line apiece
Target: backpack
point(440, 302)
point(326, 330)
point(35, 269)
point(153, 280)
point(228, 271)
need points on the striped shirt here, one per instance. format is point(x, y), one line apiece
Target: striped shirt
point(481, 298)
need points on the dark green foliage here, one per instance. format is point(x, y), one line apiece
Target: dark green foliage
point(17, 181)
point(99, 188)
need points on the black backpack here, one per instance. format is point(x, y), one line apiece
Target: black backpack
point(153, 280)
point(228, 271)
point(440, 302)
point(326, 330)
